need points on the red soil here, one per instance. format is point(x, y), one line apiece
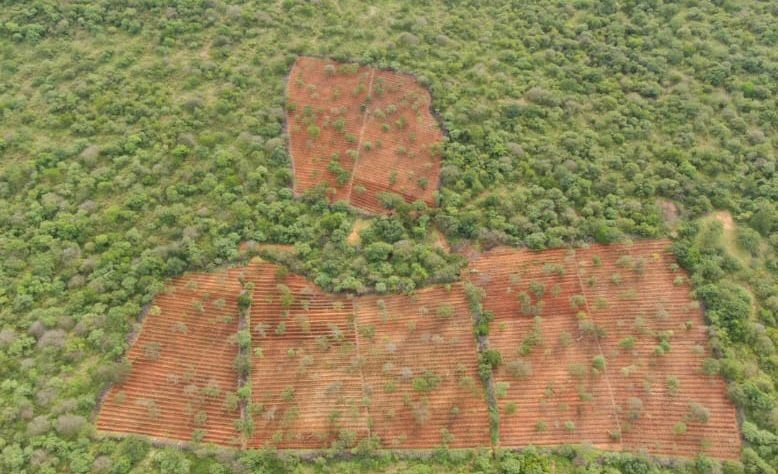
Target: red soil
point(632, 395)
point(306, 385)
point(320, 365)
point(331, 370)
point(402, 338)
point(195, 332)
point(375, 124)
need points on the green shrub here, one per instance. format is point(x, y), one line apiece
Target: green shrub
point(679, 428)
point(527, 462)
point(698, 413)
point(634, 408)
point(426, 382)
point(519, 369)
point(628, 343)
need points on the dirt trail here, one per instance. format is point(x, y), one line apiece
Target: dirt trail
point(361, 138)
point(359, 226)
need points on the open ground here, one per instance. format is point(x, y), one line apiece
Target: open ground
point(327, 370)
point(601, 345)
point(362, 133)
point(182, 380)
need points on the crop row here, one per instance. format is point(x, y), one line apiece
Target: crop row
point(174, 390)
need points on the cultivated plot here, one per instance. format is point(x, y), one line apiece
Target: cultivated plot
point(656, 346)
point(326, 370)
point(603, 345)
point(182, 384)
point(331, 371)
point(306, 382)
point(419, 364)
point(361, 133)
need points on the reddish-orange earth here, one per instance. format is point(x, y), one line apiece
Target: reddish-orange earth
point(361, 132)
point(182, 365)
point(419, 364)
point(581, 334)
point(601, 345)
point(326, 370)
point(306, 386)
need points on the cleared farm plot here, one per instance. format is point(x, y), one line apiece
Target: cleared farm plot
point(330, 371)
point(361, 132)
point(306, 382)
point(327, 370)
point(419, 364)
point(182, 384)
point(603, 345)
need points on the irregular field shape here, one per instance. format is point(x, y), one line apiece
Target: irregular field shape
point(378, 126)
point(311, 383)
point(505, 275)
point(342, 368)
point(562, 387)
point(660, 306)
point(405, 338)
point(195, 330)
point(405, 154)
point(321, 100)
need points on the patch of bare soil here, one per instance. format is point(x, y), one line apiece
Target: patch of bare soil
point(359, 226)
point(670, 212)
point(726, 220)
point(361, 132)
point(440, 241)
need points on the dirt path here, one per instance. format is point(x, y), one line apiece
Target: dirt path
point(361, 367)
point(361, 135)
point(602, 354)
point(359, 226)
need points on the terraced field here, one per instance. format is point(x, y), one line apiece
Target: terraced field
point(419, 364)
point(306, 383)
point(361, 132)
point(603, 345)
point(182, 365)
point(326, 370)
point(600, 345)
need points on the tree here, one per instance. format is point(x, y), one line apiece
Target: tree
point(698, 413)
point(728, 306)
point(70, 425)
point(519, 369)
point(172, 461)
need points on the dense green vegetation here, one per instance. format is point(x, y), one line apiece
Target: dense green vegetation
point(744, 333)
point(143, 138)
